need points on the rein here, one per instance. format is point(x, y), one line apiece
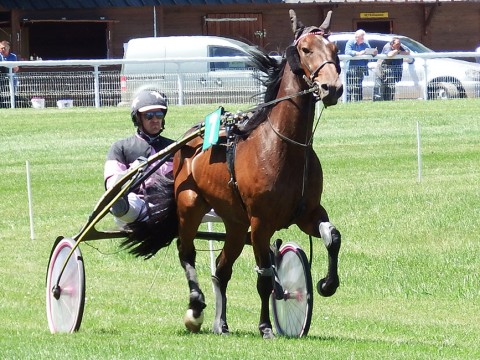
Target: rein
point(294, 142)
point(313, 88)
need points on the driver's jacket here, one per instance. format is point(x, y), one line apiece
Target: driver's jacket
point(124, 152)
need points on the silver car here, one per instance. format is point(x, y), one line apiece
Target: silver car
point(439, 78)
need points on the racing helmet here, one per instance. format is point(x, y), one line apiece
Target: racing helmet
point(148, 100)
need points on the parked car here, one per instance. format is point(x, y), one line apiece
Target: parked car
point(183, 78)
point(445, 77)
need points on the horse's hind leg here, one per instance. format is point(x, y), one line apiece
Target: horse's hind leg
point(194, 316)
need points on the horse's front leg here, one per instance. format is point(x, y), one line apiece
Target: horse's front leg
point(234, 243)
point(332, 239)
point(260, 238)
point(194, 316)
point(317, 224)
point(264, 288)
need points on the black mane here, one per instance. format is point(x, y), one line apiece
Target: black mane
point(270, 73)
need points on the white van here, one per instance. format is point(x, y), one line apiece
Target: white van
point(179, 67)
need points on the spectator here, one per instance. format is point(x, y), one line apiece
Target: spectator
point(389, 71)
point(6, 55)
point(357, 69)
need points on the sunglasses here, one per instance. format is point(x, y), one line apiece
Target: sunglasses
point(157, 114)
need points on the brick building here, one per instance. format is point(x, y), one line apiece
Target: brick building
point(79, 29)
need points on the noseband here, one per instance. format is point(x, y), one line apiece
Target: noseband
point(314, 74)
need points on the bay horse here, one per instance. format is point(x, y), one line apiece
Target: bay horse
point(274, 180)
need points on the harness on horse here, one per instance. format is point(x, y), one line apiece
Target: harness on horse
point(233, 125)
point(232, 139)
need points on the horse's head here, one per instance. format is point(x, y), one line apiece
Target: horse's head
point(314, 57)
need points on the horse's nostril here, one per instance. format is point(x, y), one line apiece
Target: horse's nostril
point(324, 87)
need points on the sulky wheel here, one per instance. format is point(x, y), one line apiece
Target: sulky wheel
point(65, 291)
point(293, 313)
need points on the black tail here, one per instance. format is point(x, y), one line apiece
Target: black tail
point(147, 237)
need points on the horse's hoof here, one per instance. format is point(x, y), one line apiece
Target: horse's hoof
point(325, 291)
point(191, 322)
point(221, 329)
point(268, 333)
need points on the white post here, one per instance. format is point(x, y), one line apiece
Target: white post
point(425, 79)
point(11, 82)
point(180, 88)
point(154, 22)
point(419, 153)
point(96, 85)
point(29, 192)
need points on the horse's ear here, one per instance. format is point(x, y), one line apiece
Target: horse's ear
point(293, 20)
point(326, 23)
point(297, 25)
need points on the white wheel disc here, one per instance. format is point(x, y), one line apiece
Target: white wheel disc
point(65, 303)
point(292, 315)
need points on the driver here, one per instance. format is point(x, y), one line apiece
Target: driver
point(148, 112)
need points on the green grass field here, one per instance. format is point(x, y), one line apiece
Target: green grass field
point(409, 265)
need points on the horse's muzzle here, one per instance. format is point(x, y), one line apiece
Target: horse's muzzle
point(329, 94)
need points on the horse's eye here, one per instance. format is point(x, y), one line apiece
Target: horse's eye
point(305, 50)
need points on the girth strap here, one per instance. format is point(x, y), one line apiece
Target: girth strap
point(232, 141)
point(231, 149)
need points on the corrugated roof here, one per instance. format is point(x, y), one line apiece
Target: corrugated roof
point(85, 4)
point(373, 1)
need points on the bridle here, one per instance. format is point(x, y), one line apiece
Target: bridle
point(313, 74)
point(312, 88)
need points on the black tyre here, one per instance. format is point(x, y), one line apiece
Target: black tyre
point(443, 91)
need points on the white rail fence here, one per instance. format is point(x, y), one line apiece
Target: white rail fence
point(93, 82)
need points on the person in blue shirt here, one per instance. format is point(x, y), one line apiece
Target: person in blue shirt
point(6, 55)
point(389, 71)
point(357, 69)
